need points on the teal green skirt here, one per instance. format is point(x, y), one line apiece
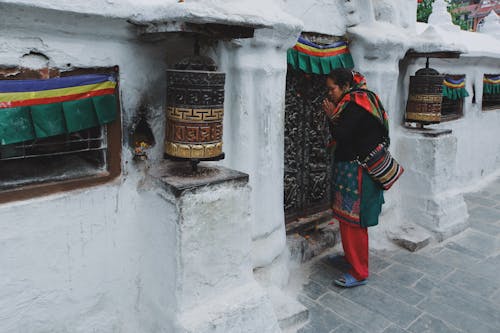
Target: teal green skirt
point(356, 198)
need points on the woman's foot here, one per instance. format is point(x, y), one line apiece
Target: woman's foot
point(346, 280)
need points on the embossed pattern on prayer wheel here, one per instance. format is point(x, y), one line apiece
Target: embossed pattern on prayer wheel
point(195, 110)
point(425, 97)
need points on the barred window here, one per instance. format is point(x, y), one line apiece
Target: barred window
point(58, 132)
point(491, 92)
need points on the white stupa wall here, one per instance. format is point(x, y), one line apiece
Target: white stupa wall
point(491, 24)
point(254, 136)
point(97, 259)
point(104, 259)
point(478, 145)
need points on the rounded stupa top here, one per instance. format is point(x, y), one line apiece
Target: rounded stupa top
point(440, 16)
point(491, 24)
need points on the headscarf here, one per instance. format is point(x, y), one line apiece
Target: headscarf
point(366, 99)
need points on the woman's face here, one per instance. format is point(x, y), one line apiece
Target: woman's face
point(334, 90)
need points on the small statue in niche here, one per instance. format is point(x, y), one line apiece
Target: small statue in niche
point(143, 139)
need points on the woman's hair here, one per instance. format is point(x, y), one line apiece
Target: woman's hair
point(341, 77)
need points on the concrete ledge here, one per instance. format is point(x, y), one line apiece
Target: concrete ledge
point(178, 177)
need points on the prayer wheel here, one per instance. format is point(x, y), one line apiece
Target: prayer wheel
point(195, 110)
point(425, 97)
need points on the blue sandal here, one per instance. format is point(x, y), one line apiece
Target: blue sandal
point(346, 280)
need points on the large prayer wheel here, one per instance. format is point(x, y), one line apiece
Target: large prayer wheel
point(425, 97)
point(195, 110)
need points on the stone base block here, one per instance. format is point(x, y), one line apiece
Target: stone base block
point(307, 245)
point(289, 311)
point(244, 309)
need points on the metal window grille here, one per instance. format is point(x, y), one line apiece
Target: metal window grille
point(451, 109)
point(59, 158)
point(491, 102)
point(92, 139)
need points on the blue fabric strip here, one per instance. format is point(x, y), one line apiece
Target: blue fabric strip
point(493, 78)
point(455, 81)
point(55, 83)
point(330, 46)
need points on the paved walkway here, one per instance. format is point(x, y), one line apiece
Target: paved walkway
point(449, 287)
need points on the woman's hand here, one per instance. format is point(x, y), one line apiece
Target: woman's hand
point(328, 107)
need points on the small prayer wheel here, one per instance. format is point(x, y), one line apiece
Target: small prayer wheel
point(425, 97)
point(195, 110)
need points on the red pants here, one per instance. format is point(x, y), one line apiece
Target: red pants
point(355, 244)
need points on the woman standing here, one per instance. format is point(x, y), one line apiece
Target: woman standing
point(359, 124)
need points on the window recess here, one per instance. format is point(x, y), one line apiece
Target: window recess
point(58, 133)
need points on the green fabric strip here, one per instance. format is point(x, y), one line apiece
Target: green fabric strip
point(453, 93)
point(41, 121)
point(79, 114)
point(105, 108)
point(48, 120)
point(491, 89)
point(318, 65)
point(16, 125)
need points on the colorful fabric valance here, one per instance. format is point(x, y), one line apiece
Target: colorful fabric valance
point(454, 87)
point(319, 59)
point(33, 109)
point(491, 84)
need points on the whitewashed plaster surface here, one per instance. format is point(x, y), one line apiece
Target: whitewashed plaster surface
point(254, 132)
point(257, 12)
point(117, 283)
point(100, 259)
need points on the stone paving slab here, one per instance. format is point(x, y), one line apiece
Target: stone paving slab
point(391, 286)
point(424, 264)
point(321, 319)
point(481, 201)
point(451, 287)
point(484, 214)
point(461, 320)
point(391, 308)
point(365, 318)
point(428, 323)
point(404, 275)
point(474, 284)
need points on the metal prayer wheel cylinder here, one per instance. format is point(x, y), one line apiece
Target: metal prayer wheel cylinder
point(425, 97)
point(194, 112)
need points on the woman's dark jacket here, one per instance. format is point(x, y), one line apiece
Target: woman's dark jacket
point(357, 133)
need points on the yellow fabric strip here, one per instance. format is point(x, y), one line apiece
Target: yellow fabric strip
point(310, 48)
point(21, 96)
point(451, 85)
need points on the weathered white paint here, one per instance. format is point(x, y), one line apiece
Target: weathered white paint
point(214, 286)
point(88, 261)
point(253, 134)
point(96, 259)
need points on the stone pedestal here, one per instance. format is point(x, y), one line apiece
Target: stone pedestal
point(430, 194)
point(215, 290)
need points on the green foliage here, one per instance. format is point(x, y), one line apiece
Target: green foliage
point(456, 17)
point(424, 9)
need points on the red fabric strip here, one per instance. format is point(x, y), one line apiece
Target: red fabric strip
point(320, 54)
point(38, 101)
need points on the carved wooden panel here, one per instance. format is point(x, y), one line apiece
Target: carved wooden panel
point(307, 163)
